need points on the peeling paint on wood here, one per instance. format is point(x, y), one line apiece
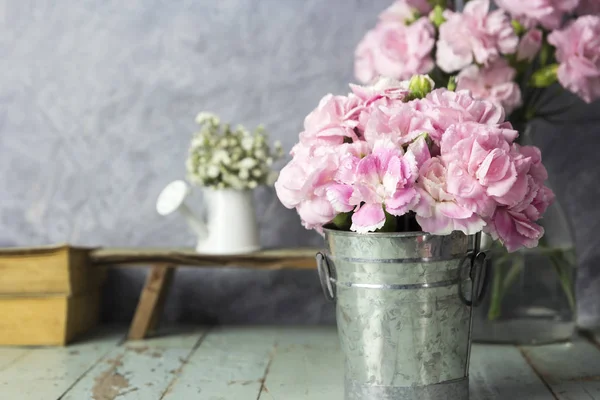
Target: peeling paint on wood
point(135, 372)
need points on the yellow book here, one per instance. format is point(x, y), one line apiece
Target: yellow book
point(47, 269)
point(46, 320)
point(48, 295)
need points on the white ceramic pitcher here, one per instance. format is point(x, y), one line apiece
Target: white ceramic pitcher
point(229, 226)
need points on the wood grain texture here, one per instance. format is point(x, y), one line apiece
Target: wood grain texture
point(501, 373)
point(151, 301)
point(266, 259)
point(229, 364)
point(308, 365)
point(47, 373)
point(136, 372)
point(571, 370)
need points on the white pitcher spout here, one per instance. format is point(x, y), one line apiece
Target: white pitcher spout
point(172, 198)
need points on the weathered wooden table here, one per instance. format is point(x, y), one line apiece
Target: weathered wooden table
point(267, 363)
point(163, 263)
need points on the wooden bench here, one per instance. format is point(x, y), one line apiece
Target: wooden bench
point(163, 263)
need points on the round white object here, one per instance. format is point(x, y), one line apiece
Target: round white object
point(171, 197)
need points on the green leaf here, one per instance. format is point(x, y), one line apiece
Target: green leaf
point(343, 221)
point(519, 29)
point(544, 77)
point(390, 224)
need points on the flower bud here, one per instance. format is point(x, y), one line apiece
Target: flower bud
point(436, 16)
point(419, 86)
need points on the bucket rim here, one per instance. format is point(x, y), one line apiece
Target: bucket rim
point(411, 234)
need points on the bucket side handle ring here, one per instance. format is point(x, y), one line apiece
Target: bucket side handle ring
point(479, 276)
point(325, 275)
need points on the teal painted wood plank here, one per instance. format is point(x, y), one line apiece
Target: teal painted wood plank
point(50, 371)
point(572, 370)
point(501, 373)
point(134, 371)
point(230, 363)
point(171, 337)
point(308, 364)
point(9, 355)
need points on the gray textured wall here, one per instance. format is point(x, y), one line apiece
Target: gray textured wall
point(97, 101)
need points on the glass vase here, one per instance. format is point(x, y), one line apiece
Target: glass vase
point(530, 296)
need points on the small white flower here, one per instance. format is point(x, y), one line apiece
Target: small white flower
point(256, 172)
point(203, 117)
point(212, 171)
point(244, 174)
point(247, 163)
point(252, 184)
point(247, 143)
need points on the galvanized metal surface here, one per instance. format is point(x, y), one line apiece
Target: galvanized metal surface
point(404, 328)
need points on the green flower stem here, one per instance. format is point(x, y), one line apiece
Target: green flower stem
point(496, 294)
point(502, 282)
point(562, 268)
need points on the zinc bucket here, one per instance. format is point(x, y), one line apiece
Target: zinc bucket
point(404, 311)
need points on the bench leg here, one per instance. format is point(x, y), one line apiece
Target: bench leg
point(151, 301)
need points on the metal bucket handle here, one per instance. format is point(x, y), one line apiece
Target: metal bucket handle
point(477, 273)
point(325, 275)
point(479, 277)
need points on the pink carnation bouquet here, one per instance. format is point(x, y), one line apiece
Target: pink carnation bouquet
point(508, 55)
point(403, 156)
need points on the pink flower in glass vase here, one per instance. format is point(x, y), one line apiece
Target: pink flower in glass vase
point(437, 210)
point(514, 229)
point(548, 13)
point(405, 10)
point(578, 52)
point(494, 82)
point(475, 35)
point(588, 7)
point(395, 50)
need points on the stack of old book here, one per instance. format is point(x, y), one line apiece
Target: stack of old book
point(48, 295)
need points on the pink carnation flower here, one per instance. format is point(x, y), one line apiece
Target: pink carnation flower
point(395, 50)
point(494, 82)
point(481, 170)
point(578, 52)
point(514, 229)
point(303, 182)
point(332, 121)
point(588, 7)
point(530, 45)
point(383, 180)
point(475, 35)
point(437, 211)
point(548, 13)
point(404, 10)
point(399, 124)
point(514, 223)
point(444, 108)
